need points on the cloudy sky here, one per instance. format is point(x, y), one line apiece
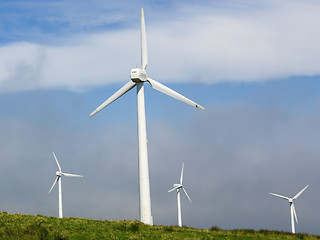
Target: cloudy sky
point(254, 65)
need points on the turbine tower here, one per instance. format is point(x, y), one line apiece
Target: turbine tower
point(178, 187)
point(138, 78)
point(293, 213)
point(59, 174)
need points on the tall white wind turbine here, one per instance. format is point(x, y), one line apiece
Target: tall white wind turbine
point(59, 174)
point(138, 78)
point(178, 187)
point(293, 213)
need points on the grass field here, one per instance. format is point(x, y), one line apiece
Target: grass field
point(18, 226)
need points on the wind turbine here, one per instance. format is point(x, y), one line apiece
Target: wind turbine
point(138, 78)
point(178, 187)
point(292, 209)
point(59, 174)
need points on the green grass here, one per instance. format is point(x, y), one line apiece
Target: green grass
point(18, 226)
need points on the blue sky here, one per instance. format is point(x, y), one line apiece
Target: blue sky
point(252, 64)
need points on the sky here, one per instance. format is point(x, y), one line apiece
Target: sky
point(254, 65)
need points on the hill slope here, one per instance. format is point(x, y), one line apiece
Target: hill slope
point(17, 226)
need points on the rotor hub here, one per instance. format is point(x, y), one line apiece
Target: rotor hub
point(138, 75)
point(58, 173)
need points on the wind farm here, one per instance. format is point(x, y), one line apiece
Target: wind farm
point(253, 66)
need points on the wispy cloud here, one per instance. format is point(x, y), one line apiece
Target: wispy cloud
point(241, 42)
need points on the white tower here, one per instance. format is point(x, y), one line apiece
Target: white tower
point(138, 78)
point(293, 213)
point(178, 187)
point(59, 174)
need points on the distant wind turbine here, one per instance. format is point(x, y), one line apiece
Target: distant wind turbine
point(292, 208)
point(138, 78)
point(59, 174)
point(178, 187)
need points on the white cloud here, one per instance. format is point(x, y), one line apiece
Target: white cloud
point(275, 40)
point(279, 41)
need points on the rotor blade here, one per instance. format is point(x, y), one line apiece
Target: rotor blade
point(115, 96)
point(186, 194)
point(181, 177)
point(162, 88)
point(143, 36)
point(280, 196)
point(172, 189)
point(57, 161)
point(299, 193)
point(71, 175)
point(294, 213)
point(54, 183)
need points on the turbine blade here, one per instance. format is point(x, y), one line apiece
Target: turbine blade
point(181, 177)
point(299, 193)
point(280, 196)
point(186, 194)
point(162, 88)
point(71, 175)
point(172, 189)
point(294, 213)
point(57, 161)
point(143, 36)
point(54, 183)
point(115, 96)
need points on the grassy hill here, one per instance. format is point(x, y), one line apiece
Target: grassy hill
point(17, 226)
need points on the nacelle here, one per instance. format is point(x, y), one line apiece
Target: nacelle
point(176, 185)
point(138, 75)
point(58, 173)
